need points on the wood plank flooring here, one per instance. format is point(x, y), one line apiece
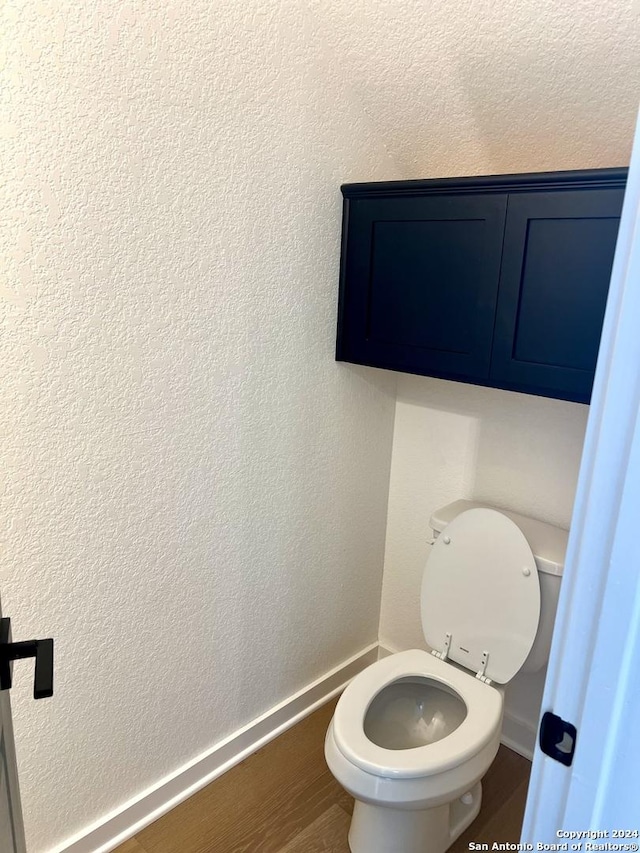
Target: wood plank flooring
point(283, 799)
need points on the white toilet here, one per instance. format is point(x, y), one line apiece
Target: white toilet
point(413, 734)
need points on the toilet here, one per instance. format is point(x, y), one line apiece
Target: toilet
point(413, 734)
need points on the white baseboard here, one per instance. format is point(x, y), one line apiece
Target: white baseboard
point(386, 650)
point(517, 734)
point(114, 829)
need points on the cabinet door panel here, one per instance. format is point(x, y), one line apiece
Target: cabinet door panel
point(556, 265)
point(422, 279)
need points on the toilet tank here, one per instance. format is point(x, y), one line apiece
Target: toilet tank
point(549, 546)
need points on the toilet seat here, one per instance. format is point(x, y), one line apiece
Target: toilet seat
point(484, 716)
point(480, 597)
point(480, 608)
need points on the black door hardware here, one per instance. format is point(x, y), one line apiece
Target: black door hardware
point(41, 650)
point(557, 738)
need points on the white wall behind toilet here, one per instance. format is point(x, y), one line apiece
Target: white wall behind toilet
point(461, 441)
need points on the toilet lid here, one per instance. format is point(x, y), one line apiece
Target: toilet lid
point(481, 586)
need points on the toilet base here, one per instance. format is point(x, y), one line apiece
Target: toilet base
point(377, 829)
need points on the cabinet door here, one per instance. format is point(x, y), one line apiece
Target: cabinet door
point(556, 266)
point(419, 283)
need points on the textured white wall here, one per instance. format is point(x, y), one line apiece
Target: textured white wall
point(465, 87)
point(194, 494)
point(194, 491)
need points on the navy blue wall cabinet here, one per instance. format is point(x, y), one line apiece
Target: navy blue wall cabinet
point(499, 281)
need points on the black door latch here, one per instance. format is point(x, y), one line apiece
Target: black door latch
point(41, 650)
point(557, 738)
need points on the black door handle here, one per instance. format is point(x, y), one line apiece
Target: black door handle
point(41, 650)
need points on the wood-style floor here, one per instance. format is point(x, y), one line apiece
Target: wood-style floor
point(283, 799)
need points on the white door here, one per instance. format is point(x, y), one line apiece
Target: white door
point(11, 828)
point(592, 680)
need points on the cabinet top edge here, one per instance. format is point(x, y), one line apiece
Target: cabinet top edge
point(614, 178)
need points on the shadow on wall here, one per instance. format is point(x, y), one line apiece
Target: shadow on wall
point(311, 475)
point(511, 97)
point(524, 101)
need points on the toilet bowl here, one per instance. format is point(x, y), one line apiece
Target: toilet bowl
point(413, 734)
